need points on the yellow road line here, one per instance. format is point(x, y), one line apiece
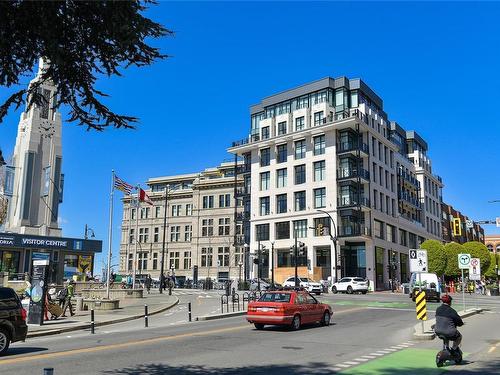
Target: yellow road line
point(117, 346)
point(492, 349)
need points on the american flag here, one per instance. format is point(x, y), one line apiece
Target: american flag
point(122, 185)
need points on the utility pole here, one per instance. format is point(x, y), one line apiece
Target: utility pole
point(295, 256)
point(272, 265)
point(334, 242)
point(258, 266)
point(162, 266)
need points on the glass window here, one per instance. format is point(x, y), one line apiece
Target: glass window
point(265, 157)
point(281, 204)
point(354, 99)
point(281, 176)
point(262, 232)
point(319, 145)
point(320, 198)
point(283, 230)
point(318, 118)
point(264, 206)
point(265, 180)
point(378, 229)
point(300, 174)
point(300, 228)
point(402, 238)
point(265, 132)
point(319, 170)
point(300, 149)
point(282, 128)
point(282, 153)
point(300, 201)
point(299, 123)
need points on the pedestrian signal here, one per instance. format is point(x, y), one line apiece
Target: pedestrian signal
point(320, 230)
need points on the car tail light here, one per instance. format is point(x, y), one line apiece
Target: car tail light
point(24, 314)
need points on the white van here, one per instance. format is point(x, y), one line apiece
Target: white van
point(430, 284)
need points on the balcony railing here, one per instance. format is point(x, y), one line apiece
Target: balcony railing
point(242, 191)
point(411, 200)
point(242, 216)
point(353, 230)
point(339, 116)
point(408, 177)
point(343, 173)
point(352, 146)
point(353, 201)
point(245, 168)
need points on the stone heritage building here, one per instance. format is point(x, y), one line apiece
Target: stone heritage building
point(492, 242)
point(203, 239)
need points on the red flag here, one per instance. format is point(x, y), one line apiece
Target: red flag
point(143, 197)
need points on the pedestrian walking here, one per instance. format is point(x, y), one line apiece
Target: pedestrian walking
point(70, 294)
point(148, 283)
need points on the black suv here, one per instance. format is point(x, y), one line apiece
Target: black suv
point(12, 319)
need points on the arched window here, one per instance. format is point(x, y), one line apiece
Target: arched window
point(490, 247)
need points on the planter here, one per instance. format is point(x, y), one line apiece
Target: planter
point(494, 292)
point(105, 304)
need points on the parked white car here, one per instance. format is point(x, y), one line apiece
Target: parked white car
point(306, 283)
point(351, 285)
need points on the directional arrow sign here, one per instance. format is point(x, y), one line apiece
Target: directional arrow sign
point(464, 261)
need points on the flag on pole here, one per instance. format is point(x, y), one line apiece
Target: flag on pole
point(121, 185)
point(143, 197)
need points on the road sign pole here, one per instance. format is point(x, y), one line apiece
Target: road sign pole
point(463, 289)
point(420, 291)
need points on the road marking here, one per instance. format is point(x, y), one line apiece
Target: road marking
point(377, 354)
point(362, 359)
point(368, 356)
point(336, 369)
point(390, 350)
point(383, 352)
point(342, 365)
point(352, 363)
point(390, 308)
point(120, 345)
point(492, 349)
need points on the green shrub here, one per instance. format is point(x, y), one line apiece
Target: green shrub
point(452, 250)
point(436, 256)
point(478, 250)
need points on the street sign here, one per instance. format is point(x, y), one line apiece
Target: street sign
point(469, 224)
point(497, 220)
point(475, 269)
point(463, 261)
point(418, 260)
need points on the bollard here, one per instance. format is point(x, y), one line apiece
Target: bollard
point(146, 324)
point(92, 326)
point(48, 371)
point(189, 311)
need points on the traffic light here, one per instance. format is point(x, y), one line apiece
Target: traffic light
point(292, 248)
point(457, 226)
point(302, 248)
point(320, 230)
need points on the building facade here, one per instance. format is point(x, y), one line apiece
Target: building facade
point(202, 237)
point(326, 166)
point(476, 233)
point(492, 242)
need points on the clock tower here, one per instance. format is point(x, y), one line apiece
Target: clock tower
point(37, 181)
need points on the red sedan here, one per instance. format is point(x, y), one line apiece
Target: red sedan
point(290, 307)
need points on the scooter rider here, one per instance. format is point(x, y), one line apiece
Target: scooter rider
point(447, 321)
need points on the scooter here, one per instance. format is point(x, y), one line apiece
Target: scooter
point(448, 354)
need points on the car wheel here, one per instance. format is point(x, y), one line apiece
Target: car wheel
point(4, 341)
point(334, 290)
point(318, 293)
point(259, 326)
point(349, 290)
point(326, 319)
point(364, 292)
point(295, 323)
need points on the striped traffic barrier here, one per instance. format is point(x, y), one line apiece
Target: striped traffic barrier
point(421, 305)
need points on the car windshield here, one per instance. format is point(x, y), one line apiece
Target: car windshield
point(7, 293)
point(358, 279)
point(275, 297)
point(305, 279)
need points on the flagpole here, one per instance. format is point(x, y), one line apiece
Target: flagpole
point(110, 236)
point(138, 208)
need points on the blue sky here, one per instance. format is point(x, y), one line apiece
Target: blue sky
point(436, 67)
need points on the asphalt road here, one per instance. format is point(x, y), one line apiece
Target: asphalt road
point(361, 334)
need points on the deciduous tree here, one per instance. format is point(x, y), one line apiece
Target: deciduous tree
point(452, 250)
point(478, 250)
point(436, 256)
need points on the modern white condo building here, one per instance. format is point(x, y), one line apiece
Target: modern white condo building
point(324, 163)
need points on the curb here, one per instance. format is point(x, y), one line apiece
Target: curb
point(99, 324)
point(221, 316)
point(429, 334)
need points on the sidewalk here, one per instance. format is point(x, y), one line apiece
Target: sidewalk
point(130, 309)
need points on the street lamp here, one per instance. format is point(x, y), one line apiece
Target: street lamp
point(272, 265)
point(245, 262)
point(334, 241)
point(240, 264)
point(163, 249)
point(87, 231)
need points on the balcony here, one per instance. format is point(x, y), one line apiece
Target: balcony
point(354, 230)
point(408, 199)
point(346, 147)
point(242, 216)
point(351, 173)
point(406, 177)
point(242, 191)
point(353, 201)
point(245, 168)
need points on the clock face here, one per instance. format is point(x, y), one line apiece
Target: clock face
point(46, 129)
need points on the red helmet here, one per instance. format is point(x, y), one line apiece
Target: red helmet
point(446, 298)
